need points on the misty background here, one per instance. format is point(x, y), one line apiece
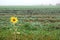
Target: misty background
point(29, 2)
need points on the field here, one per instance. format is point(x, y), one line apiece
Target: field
point(34, 23)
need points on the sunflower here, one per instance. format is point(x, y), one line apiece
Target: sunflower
point(14, 20)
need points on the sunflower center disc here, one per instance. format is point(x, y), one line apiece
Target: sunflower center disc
point(13, 19)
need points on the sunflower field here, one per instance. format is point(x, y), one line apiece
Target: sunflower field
point(30, 23)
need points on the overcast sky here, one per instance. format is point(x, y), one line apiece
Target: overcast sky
point(28, 2)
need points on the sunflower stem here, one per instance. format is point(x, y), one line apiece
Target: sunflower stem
point(15, 31)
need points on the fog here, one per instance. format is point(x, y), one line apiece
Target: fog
point(28, 2)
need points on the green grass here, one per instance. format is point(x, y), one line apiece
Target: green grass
point(30, 30)
point(44, 26)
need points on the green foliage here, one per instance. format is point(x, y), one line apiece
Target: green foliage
point(31, 27)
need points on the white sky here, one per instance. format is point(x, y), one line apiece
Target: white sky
point(28, 2)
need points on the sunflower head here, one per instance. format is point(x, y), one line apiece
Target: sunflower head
point(14, 20)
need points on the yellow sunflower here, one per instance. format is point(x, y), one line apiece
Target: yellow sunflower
point(14, 20)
